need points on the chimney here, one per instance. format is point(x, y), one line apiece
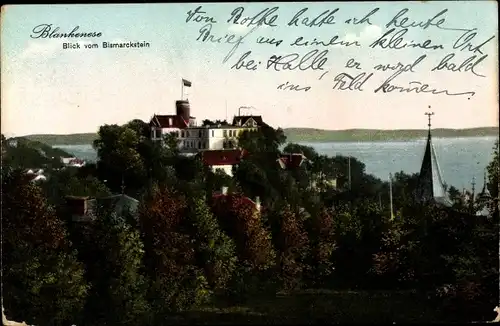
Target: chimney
point(257, 203)
point(224, 190)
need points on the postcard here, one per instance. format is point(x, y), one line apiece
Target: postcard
point(390, 90)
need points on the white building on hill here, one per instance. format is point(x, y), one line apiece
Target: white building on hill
point(194, 138)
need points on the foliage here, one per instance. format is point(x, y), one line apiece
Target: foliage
point(27, 154)
point(43, 282)
point(208, 122)
point(494, 176)
point(113, 252)
point(119, 158)
point(241, 221)
point(324, 224)
point(170, 255)
point(70, 182)
point(292, 246)
point(321, 232)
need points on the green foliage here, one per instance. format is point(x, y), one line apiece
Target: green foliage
point(325, 224)
point(43, 282)
point(170, 253)
point(493, 174)
point(215, 251)
point(113, 253)
point(29, 154)
point(292, 246)
point(70, 182)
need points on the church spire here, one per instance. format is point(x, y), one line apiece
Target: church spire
point(430, 184)
point(485, 193)
point(429, 114)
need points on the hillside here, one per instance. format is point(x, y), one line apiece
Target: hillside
point(319, 135)
point(25, 153)
point(71, 139)
point(310, 135)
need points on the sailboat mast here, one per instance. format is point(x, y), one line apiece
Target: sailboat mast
point(390, 195)
point(349, 172)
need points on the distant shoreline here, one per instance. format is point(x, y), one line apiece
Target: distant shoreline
point(311, 135)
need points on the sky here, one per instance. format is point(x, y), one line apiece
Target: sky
point(50, 90)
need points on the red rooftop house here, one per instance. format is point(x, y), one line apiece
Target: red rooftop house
point(223, 198)
point(291, 160)
point(222, 159)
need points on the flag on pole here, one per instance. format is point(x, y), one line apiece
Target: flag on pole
point(186, 83)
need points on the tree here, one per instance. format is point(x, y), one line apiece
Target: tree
point(493, 176)
point(113, 253)
point(215, 251)
point(241, 221)
point(119, 158)
point(67, 182)
point(320, 229)
point(208, 122)
point(43, 283)
point(291, 243)
point(170, 255)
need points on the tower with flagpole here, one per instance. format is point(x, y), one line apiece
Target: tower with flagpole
point(184, 83)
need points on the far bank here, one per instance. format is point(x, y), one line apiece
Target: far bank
point(312, 135)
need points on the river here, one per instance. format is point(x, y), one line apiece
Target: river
point(460, 159)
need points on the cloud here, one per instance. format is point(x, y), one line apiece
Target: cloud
point(46, 48)
point(369, 33)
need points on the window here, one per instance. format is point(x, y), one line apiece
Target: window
point(212, 133)
point(224, 133)
point(182, 134)
point(158, 133)
point(199, 144)
point(199, 134)
point(187, 133)
point(230, 133)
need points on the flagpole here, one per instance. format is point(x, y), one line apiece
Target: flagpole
point(182, 89)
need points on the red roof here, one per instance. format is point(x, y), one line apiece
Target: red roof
point(292, 160)
point(222, 157)
point(168, 121)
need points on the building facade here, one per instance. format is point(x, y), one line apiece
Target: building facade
point(220, 139)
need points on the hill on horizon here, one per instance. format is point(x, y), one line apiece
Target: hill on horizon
point(308, 135)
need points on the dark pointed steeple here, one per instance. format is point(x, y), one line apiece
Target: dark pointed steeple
point(485, 193)
point(430, 183)
point(484, 199)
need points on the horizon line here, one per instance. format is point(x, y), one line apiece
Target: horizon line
point(307, 128)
